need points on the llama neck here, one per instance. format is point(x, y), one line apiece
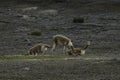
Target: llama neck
point(70, 44)
point(86, 47)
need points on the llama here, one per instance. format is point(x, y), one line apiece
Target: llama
point(38, 48)
point(60, 39)
point(79, 51)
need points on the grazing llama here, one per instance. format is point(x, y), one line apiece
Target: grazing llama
point(79, 51)
point(38, 48)
point(60, 39)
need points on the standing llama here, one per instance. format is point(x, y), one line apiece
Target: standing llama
point(65, 41)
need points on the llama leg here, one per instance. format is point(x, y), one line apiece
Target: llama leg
point(64, 50)
point(35, 53)
point(53, 47)
point(29, 52)
point(43, 49)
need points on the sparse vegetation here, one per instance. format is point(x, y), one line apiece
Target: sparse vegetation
point(116, 4)
point(109, 18)
point(57, 28)
point(50, 57)
point(4, 19)
point(36, 32)
point(92, 24)
point(11, 57)
point(78, 20)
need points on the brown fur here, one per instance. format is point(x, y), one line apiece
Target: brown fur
point(38, 48)
point(79, 51)
point(60, 39)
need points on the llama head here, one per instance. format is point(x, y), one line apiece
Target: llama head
point(88, 43)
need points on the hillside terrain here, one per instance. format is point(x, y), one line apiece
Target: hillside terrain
point(24, 23)
point(100, 26)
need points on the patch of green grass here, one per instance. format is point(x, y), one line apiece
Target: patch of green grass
point(111, 4)
point(3, 17)
point(92, 24)
point(47, 57)
point(57, 28)
point(109, 18)
point(5, 57)
point(36, 32)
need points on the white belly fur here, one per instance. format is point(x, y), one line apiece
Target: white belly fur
point(70, 44)
point(82, 52)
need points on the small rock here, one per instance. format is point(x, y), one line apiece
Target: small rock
point(49, 12)
point(26, 68)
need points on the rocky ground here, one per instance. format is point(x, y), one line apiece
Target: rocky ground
point(60, 69)
point(100, 26)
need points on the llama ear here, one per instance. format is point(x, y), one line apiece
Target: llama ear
point(88, 42)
